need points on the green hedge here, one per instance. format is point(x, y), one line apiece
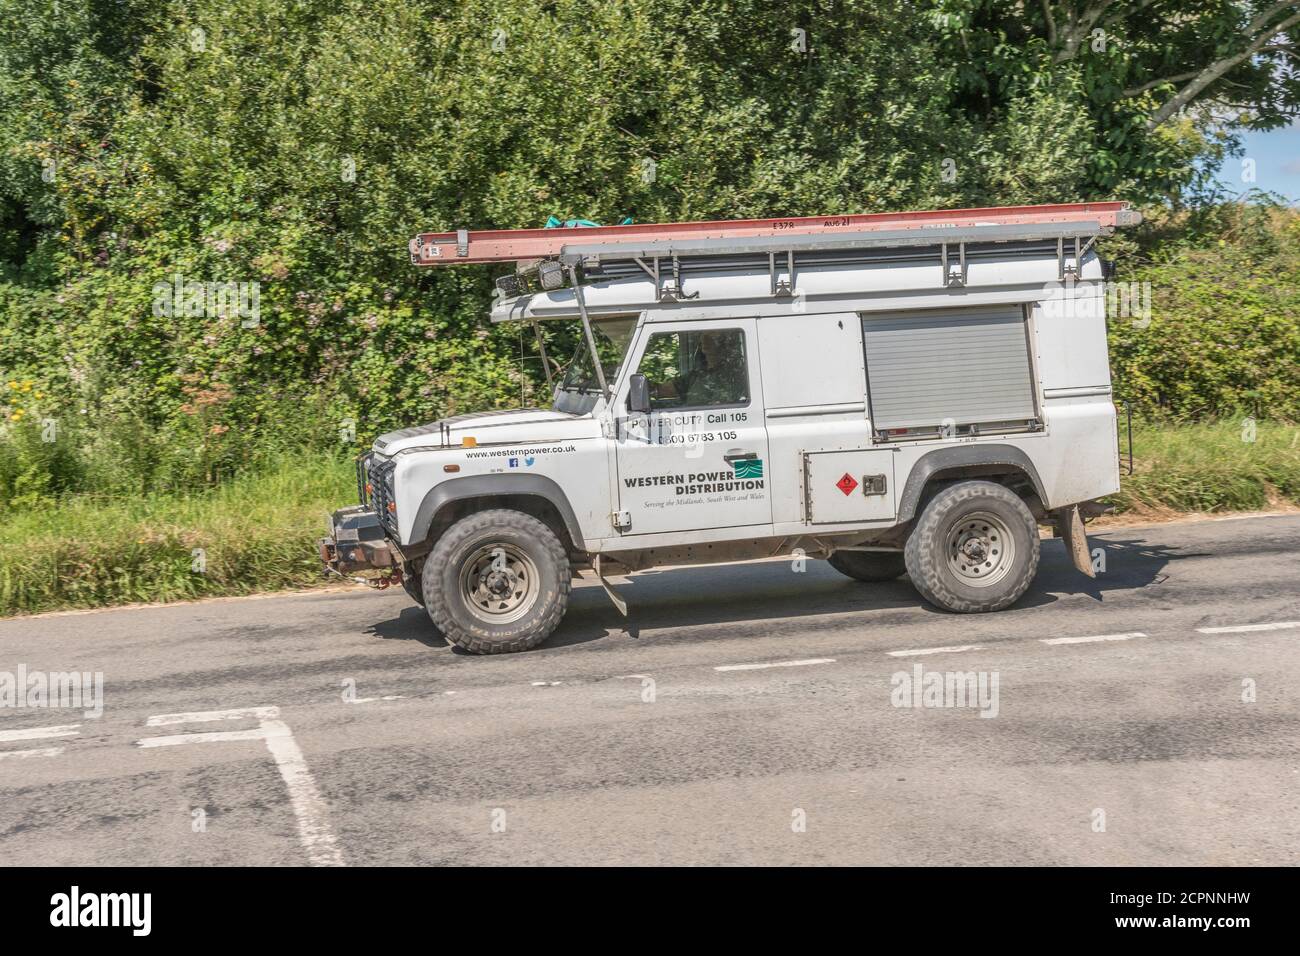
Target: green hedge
point(299, 144)
point(1223, 334)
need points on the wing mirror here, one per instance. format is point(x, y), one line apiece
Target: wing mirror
point(638, 394)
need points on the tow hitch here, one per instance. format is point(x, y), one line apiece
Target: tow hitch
point(357, 543)
point(378, 584)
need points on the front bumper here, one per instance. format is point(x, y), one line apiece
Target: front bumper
point(357, 542)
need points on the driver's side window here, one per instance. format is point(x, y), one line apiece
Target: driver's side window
point(663, 366)
point(696, 369)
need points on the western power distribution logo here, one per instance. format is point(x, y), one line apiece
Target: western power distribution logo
point(752, 468)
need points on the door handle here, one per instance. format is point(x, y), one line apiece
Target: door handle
point(739, 454)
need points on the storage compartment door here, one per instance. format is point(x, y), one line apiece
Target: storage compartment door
point(844, 487)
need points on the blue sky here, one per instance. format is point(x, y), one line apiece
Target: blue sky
point(1277, 163)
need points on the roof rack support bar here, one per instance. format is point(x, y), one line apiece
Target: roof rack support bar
point(953, 278)
point(1073, 270)
point(781, 286)
point(541, 348)
point(674, 292)
point(652, 273)
point(586, 329)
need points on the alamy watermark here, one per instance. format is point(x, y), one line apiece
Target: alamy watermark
point(1127, 301)
point(946, 689)
point(189, 297)
point(71, 690)
point(128, 910)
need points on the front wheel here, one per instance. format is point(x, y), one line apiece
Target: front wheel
point(974, 548)
point(497, 581)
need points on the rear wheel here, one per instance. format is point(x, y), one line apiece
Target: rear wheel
point(496, 582)
point(869, 566)
point(974, 548)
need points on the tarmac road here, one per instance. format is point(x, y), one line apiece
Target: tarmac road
point(337, 728)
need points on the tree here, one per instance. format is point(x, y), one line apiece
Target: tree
point(1168, 83)
point(298, 144)
point(1223, 53)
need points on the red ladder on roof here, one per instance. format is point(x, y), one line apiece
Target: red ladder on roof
point(503, 245)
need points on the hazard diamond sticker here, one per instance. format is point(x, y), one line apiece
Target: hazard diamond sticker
point(846, 484)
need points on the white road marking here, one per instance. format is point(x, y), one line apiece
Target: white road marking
point(954, 649)
point(1251, 514)
point(547, 683)
point(371, 700)
point(758, 667)
point(222, 736)
point(1092, 640)
point(40, 733)
point(35, 752)
point(204, 716)
point(308, 805)
point(1244, 628)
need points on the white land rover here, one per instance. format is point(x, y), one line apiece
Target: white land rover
point(893, 394)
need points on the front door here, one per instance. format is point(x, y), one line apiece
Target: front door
point(699, 460)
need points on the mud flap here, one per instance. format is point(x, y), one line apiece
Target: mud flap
point(1069, 525)
point(609, 588)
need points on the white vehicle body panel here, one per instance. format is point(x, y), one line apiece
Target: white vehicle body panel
point(808, 420)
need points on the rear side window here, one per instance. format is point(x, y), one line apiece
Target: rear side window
point(696, 369)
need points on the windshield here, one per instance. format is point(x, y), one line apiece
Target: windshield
point(612, 336)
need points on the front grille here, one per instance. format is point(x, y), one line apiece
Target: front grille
point(381, 491)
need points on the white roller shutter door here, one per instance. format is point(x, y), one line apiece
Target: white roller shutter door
point(964, 366)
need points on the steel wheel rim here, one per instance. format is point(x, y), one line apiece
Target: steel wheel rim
point(980, 549)
point(499, 583)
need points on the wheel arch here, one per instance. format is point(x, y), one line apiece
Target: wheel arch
point(536, 495)
point(941, 465)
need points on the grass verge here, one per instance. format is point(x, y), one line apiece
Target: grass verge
point(258, 533)
point(1229, 465)
point(254, 533)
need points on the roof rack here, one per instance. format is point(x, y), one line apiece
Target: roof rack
point(668, 262)
point(721, 237)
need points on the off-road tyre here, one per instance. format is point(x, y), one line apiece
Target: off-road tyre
point(495, 548)
point(974, 548)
